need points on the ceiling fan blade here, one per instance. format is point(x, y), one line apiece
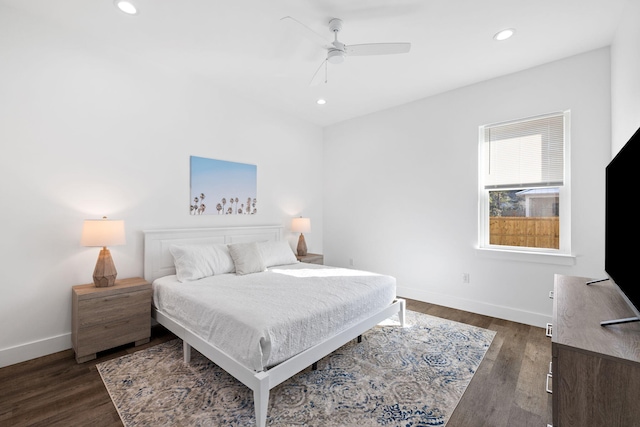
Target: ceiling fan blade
point(306, 31)
point(377, 49)
point(318, 76)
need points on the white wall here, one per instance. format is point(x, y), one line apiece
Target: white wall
point(88, 132)
point(625, 78)
point(400, 194)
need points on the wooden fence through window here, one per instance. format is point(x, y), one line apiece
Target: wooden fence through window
point(533, 232)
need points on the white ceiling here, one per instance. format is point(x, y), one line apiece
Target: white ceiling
point(243, 45)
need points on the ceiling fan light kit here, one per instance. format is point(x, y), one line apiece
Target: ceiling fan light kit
point(335, 56)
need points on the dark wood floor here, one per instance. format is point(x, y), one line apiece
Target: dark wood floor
point(507, 390)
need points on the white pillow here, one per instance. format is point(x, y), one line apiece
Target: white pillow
point(276, 253)
point(247, 258)
point(194, 262)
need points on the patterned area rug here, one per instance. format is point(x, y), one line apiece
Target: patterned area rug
point(411, 376)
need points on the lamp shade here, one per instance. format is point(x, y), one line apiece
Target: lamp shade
point(301, 225)
point(103, 232)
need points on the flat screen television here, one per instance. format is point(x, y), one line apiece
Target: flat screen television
point(622, 234)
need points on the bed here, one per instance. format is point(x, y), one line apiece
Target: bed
point(265, 317)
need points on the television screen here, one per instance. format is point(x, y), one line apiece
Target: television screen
point(621, 232)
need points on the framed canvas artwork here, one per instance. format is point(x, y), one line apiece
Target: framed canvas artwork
point(219, 187)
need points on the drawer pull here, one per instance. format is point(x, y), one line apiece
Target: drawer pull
point(549, 376)
point(550, 367)
point(116, 324)
point(111, 298)
point(549, 330)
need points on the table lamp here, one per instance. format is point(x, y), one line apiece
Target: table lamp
point(102, 233)
point(301, 225)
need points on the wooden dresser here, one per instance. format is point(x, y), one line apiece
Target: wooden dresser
point(108, 317)
point(596, 369)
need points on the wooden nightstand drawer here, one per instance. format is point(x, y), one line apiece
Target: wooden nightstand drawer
point(108, 317)
point(99, 337)
point(112, 308)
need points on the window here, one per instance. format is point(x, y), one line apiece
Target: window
point(524, 186)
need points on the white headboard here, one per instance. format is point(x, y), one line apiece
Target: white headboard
point(158, 261)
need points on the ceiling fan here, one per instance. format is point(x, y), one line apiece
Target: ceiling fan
point(337, 51)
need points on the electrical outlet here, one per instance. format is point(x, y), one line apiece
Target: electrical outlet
point(465, 277)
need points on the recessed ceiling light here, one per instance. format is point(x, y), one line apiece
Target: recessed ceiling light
point(321, 101)
point(126, 6)
point(504, 34)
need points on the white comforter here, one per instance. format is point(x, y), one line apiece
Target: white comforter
point(265, 318)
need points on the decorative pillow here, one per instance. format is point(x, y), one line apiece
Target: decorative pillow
point(276, 253)
point(247, 258)
point(194, 262)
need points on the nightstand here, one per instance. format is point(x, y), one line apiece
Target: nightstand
point(108, 317)
point(311, 258)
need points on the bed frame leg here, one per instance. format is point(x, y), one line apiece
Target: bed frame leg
point(261, 401)
point(359, 338)
point(314, 366)
point(186, 352)
point(402, 313)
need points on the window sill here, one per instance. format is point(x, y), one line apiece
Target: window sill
point(539, 257)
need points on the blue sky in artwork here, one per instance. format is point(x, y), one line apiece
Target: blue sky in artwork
point(218, 179)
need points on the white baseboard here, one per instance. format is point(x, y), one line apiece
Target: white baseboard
point(32, 350)
point(499, 311)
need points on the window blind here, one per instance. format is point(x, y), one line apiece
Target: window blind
point(528, 153)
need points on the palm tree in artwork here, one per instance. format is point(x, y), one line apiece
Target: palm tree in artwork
point(230, 210)
point(224, 202)
point(237, 203)
point(219, 208)
point(195, 209)
point(202, 205)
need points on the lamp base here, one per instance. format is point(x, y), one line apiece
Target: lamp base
point(302, 246)
point(105, 273)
